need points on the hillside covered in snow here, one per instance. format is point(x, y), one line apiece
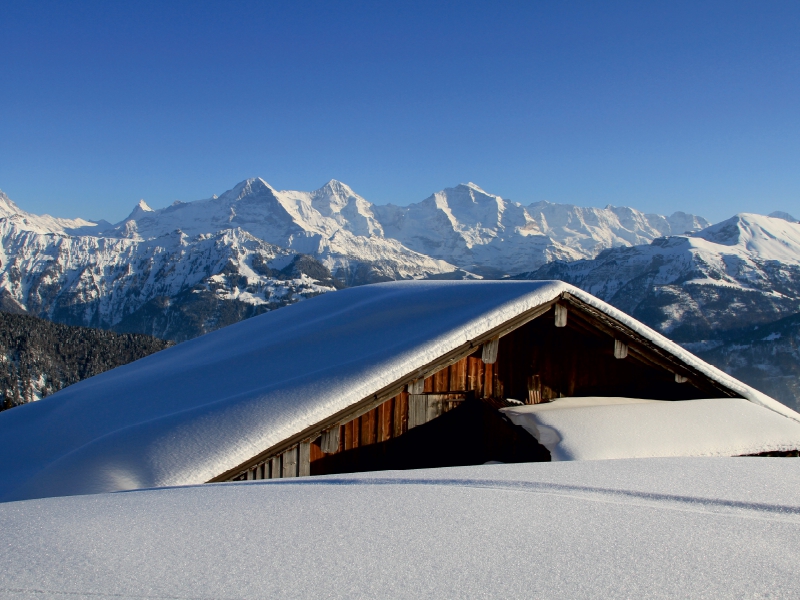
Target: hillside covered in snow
point(646, 528)
point(711, 290)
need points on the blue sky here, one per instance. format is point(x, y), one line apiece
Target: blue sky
point(666, 106)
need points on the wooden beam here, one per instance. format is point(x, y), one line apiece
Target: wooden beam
point(417, 410)
point(489, 351)
point(620, 349)
point(330, 440)
point(304, 459)
point(680, 378)
point(416, 387)
point(289, 461)
point(561, 315)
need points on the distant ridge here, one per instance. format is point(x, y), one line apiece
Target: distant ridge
point(40, 357)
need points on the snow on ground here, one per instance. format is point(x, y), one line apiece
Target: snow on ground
point(595, 428)
point(649, 528)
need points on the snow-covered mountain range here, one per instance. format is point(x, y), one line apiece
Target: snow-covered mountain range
point(183, 270)
point(710, 290)
point(192, 267)
point(174, 285)
point(487, 234)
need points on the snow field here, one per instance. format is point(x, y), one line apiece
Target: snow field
point(652, 528)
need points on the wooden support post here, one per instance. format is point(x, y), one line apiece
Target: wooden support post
point(489, 351)
point(561, 315)
point(620, 349)
point(304, 460)
point(680, 378)
point(275, 467)
point(251, 474)
point(289, 460)
point(330, 440)
point(417, 410)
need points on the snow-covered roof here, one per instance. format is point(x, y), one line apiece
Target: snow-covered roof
point(651, 528)
point(194, 411)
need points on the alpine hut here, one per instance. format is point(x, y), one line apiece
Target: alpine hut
point(398, 375)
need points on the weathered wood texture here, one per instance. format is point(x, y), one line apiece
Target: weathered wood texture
point(549, 357)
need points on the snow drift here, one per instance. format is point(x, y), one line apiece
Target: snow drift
point(652, 528)
point(601, 428)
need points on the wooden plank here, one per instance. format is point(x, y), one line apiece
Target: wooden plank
point(680, 378)
point(441, 380)
point(329, 440)
point(348, 436)
point(561, 315)
point(316, 450)
point(488, 380)
point(489, 351)
point(275, 467)
point(434, 406)
point(620, 349)
point(458, 375)
point(304, 459)
point(289, 462)
point(369, 428)
point(251, 474)
point(400, 417)
point(417, 386)
point(385, 413)
point(655, 354)
point(356, 432)
point(417, 410)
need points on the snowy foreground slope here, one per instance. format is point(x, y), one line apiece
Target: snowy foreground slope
point(649, 528)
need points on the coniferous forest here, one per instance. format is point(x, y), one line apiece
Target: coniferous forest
point(39, 357)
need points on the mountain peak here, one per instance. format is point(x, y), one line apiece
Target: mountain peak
point(7, 206)
point(778, 214)
point(337, 187)
point(472, 186)
point(140, 210)
point(253, 185)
